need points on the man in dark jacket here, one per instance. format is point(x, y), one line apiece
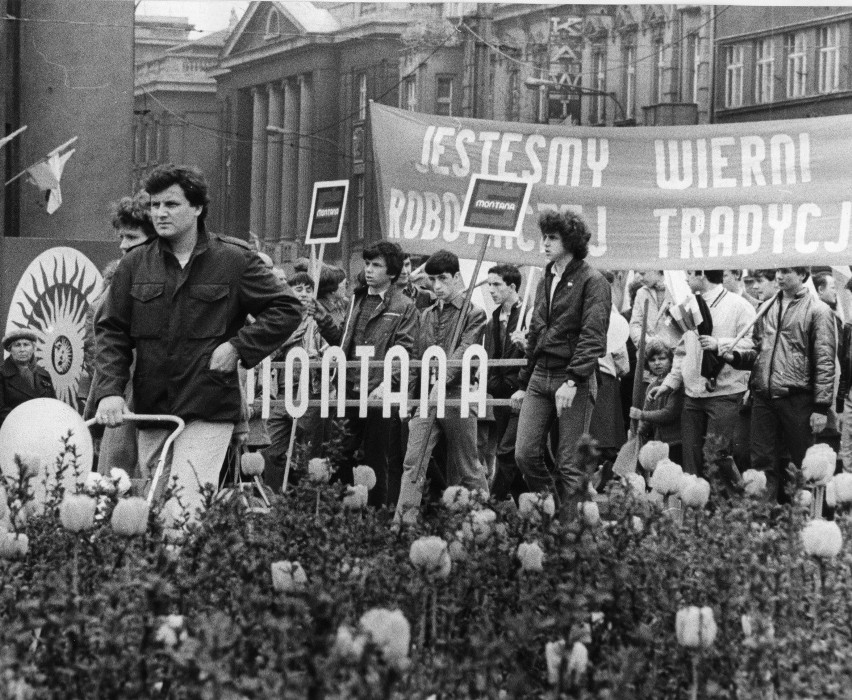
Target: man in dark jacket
point(567, 336)
point(792, 375)
point(380, 316)
point(182, 300)
point(504, 281)
point(436, 328)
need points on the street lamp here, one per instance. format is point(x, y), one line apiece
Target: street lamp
point(534, 83)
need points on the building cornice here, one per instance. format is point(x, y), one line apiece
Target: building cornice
point(785, 29)
point(173, 86)
point(784, 104)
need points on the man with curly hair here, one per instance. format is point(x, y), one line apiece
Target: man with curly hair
point(567, 336)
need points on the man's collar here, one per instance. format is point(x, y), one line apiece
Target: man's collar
point(711, 295)
point(202, 243)
point(381, 294)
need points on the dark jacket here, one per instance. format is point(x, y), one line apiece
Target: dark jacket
point(394, 322)
point(14, 389)
point(794, 353)
point(502, 381)
point(661, 416)
point(176, 318)
point(436, 328)
point(570, 332)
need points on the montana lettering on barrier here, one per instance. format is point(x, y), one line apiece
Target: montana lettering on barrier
point(395, 371)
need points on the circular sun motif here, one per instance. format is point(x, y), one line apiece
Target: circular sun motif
point(52, 298)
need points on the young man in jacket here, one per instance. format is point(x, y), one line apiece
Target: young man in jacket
point(381, 316)
point(436, 328)
point(792, 375)
point(567, 336)
point(181, 300)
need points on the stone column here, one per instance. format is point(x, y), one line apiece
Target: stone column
point(290, 162)
point(306, 180)
point(273, 166)
point(258, 160)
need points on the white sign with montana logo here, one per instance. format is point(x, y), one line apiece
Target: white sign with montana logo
point(495, 205)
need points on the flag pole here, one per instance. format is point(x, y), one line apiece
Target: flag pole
point(47, 157)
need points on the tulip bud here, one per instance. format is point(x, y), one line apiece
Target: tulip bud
point(652, 453)
point(745, 620)
point(637, 484)
point(754, 482)
point(591, 513)
point(288, 577)
point(365, 476)
point(456, 549)
point(818, 464)
point(13, 546)
point(804, 498)
point(822, 538)
point(554, 652)
point(456, 498)
point(482, 522)
point(637, 524)
point(390, 632)
point(697, 494)
point(579, 659)
point(695, 627)
point(77, 512)
point(121, 480)
point(356, 497)
point(166, 636)
point(534, 506)
point(252, 464)
point(130, 517)
point(843, 487)
point(666, 477)
point(319, 470)
point(531, 556)
point(347, 645)
point(431, 556)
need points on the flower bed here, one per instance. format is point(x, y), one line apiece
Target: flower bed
point(314, 599)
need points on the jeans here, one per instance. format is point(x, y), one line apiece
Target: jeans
point(714, 415)
point(463, 467)
point(195, 459)
point(538, 412)
point(783, 421)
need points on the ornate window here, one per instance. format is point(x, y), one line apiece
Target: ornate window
point(273, 25)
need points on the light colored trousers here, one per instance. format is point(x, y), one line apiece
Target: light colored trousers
point(195, 458)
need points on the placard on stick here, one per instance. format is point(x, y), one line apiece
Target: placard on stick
point(328, 205)
point(495, 205)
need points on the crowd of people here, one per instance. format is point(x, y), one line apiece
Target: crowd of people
point(184, 311)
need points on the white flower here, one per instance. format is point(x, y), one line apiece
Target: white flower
point(637, 484)
point(390, 632)
point(819, 464)
point(637, 524)
point(175, 621)
point(531, 556)
point(456, 498)
point(754, 482)
point(252, 464)
point(456, 548)
point(121, 480)
point(652, 453)
point(77, 512)
point(356, 497)
point(745, 620)
point(831, 494)
point(130, 517)
point(697, 494)
point(843, 487)
point(686, 481)
point(13, 546)
point(579, 659)
point(554, 653)
point(288, 576)
point(482, 522)
point(822, 538)
point(347, 645)
point(695, 627)
point(533, 506)
point(804, 498)
point(666, 477)
point(319, 470)
point(364, 476)
point(431, 556)
point(166, 635)
point(591, 513)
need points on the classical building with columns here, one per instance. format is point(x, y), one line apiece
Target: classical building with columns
point(294, 82)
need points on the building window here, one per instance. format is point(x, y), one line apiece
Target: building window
point(273, 25)
point(362, 96)
point(360, 217)
point(659, 71)
point(444, 96)
point(764, 76)
point(691, 63)
point(829, 65)
point(629, 81)
point(734, 75)
point(513, 109)
point(797, 64)
point(598, 113)
point(409, 94)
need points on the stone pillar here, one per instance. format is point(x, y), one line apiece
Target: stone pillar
point(273, 166)
point(306, 143)
point(290, 162)
point(258, 160)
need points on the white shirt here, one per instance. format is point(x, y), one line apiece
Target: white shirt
point(557, 270)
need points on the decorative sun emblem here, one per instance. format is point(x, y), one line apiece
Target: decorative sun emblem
point(52, 298)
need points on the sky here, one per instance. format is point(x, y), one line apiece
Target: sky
point(207, 16)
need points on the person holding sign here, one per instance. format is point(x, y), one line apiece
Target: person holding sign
point(568, 333)
point(380, 317)
point(436, 328)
